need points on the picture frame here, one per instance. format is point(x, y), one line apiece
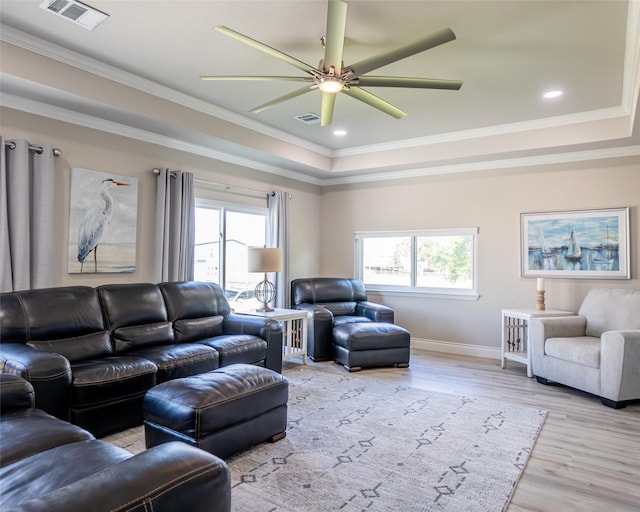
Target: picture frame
point(102, 222)
point(587, 244)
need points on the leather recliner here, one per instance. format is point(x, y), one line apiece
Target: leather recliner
point(331, 302)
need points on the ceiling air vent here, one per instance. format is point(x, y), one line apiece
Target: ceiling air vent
point(309, 118)
point(76, 12)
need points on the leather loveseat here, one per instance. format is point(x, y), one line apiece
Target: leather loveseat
point(47, 464)
point(92, 353)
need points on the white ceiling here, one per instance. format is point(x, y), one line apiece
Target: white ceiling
point(507, 53)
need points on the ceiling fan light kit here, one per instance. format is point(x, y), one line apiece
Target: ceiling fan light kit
point(331, 77)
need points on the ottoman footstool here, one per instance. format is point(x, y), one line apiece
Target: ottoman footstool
point(223, 411)
point(369, 344)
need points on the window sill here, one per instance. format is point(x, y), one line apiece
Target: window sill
point(436, 293)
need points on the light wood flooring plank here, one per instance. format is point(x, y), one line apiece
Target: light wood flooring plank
point(587, 457)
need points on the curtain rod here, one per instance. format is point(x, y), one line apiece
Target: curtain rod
point(37, 149)
point(225, 188)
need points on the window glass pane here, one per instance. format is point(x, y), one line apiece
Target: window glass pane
point(207, 245)
point(387, 260)
point(243, 230)
point(445, 261)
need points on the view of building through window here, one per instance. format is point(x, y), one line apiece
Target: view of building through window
point(222, 237)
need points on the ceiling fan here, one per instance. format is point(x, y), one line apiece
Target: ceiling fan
point(331, 77)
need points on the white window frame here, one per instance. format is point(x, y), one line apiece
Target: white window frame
point(413, 290)
point(224, 207)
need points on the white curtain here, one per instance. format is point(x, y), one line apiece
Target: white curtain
point(26, 216)
point(278, 236)
point(175, 226)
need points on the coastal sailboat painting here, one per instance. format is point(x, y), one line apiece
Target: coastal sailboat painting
point(587, 243)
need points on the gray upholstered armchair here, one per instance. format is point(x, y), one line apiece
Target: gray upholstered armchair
point(597, 351)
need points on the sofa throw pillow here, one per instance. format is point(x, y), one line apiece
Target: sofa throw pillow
point(79, 348)
point(196, 329)
point(138, 336)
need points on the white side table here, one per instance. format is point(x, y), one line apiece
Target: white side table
point(294, 327)
point(515, 334)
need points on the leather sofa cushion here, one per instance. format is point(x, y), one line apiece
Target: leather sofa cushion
point(177, 361)
point(327, 289)
point(97, 381)
point(127, 305)
point(584, 350)
point(193, 299)
point(28, 431)
point(138, 336)
point(41, 473)
point(238, 348)
point(349, 319)
point(195, 329)
point(339, 308)
point(64, 312)
point(89, 346)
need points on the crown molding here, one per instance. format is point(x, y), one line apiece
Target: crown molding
point(37, 45)
point(490, 165)
point(76, 118)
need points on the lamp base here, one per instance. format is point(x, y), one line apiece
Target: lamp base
point(265, 293)
point(265, 309)
point(540, 300)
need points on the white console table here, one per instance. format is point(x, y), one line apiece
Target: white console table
point(515, 334)
point(294, 327)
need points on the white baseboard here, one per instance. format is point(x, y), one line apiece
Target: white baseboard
point(461, 349)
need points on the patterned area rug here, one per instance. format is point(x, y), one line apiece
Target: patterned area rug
point(357, 445)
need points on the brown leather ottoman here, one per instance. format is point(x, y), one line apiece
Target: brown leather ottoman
point(223, 411)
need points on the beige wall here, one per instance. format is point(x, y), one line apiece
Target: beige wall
point(491, 201)
point(95, 150)
point(324, 220)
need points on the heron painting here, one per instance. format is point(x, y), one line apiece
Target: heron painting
point(102, 222)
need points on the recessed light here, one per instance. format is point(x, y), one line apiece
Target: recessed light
point(339, 133)
point(552, 94)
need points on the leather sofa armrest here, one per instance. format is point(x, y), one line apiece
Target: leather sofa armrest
point(49, 374)
point(376, 312)
point(320, 333)
point(15, 393)
point(265, 328)
point(168, 477)
point(541, 329)
point(620, 365)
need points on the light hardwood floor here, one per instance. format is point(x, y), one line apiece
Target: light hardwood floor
point(587, 457)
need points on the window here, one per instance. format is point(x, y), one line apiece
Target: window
point(434, 261)
point(223, 233)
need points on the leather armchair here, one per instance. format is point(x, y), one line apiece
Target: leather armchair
point(331, 302)
point(597, 350)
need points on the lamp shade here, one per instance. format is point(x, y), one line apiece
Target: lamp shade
point(264, 259)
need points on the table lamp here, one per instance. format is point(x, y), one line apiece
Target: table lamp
point(265, 259)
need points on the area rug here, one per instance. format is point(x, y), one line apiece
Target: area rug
point(354, 444)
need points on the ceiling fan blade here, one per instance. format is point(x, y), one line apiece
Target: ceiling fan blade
point(374, 101)
point(261, 78)
point(267, 49)
point(334, 43)
point(382, 59)
point(291, 95)
point(420, 83)
point(328, 104)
